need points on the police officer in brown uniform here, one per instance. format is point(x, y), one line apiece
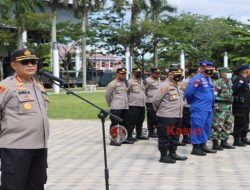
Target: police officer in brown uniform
point(168, 104)
point(117, 99)
point(24, 126)
point(152, 84)
point(137, 101)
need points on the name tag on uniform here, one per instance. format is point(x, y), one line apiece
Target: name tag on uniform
point(24, 92)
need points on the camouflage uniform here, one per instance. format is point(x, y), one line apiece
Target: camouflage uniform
point(223, 118)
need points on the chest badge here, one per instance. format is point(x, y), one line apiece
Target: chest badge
point(27, 106)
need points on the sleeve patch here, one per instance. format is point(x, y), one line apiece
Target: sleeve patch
point(196, 83)
point(3, 89)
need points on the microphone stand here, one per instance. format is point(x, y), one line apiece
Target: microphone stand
point(102, 115)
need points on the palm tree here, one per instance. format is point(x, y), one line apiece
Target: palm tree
point(22, 8)
point(136, 7)
point(82, 10)
point(157, 10)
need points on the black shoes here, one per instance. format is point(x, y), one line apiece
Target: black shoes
point(129, 140)
point(166, 159)
point(179, 143)
point(245, 141)
point(152, 135)
point(186, 141)
point(225, 145)
point(216, 145)
point(177, 157)
point(197, 151)
point(113, 143)
point(239, 143)
point(142, 137)
point(204, 148)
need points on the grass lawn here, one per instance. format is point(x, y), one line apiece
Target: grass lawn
point(70, 107)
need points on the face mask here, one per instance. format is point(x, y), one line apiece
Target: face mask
point(229, 76)
point(138, 75)
point(208, 72)
point(177, 78)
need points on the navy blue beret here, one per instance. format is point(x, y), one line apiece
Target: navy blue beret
point(242, 68)
point(206, 63)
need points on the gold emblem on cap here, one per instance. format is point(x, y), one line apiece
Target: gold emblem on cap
point(27, 52)
point(158, 70)
point(123, 70)
point(27, 106)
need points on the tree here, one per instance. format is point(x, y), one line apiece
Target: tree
point(22, 9)
point(157, 11)
point(82, 10)
point(68, 37)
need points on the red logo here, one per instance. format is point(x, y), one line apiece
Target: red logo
point(118, 133)
point(183, 131)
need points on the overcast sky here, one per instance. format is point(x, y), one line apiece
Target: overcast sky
point(237, 9)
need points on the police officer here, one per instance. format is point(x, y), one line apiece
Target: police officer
point(241, 93)
point(24, 126)
point(117, 99)
point(137, 101)
point(152, 84)
point(168, 104)
point(223, 118)
point(186, 113)
point(200, 96)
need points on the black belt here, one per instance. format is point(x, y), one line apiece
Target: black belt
point(223, 101)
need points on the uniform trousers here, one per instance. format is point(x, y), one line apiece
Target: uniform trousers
point(23, 169)
point(168, 135)
point(136, 117)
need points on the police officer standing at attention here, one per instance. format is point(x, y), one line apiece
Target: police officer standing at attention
point(241, 104)
point(24, 126)
point(117, 99)
point(137, 101)
point(186, 113)
point(152, 84)
point(200, 96)
point(168, 104)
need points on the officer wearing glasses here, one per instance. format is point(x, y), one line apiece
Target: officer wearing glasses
point(24, 126)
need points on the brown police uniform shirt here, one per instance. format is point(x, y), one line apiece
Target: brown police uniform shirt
point(136, 92)
point(168, 100)
point(117, 95)
point(151, 87)
point(24, 121)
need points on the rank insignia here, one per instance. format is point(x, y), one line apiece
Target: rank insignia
point(241, 81)
point(27, 53)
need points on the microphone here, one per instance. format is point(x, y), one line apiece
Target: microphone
point(52, 77)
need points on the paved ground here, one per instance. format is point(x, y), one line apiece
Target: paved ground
point(76, 163)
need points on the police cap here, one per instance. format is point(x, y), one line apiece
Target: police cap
point(121, 70)
point(155, 70)
point(23, 54)
point(137, 70)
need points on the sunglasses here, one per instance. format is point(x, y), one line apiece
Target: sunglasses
point(26, 62)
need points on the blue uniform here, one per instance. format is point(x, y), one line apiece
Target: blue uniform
point(200, 95)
